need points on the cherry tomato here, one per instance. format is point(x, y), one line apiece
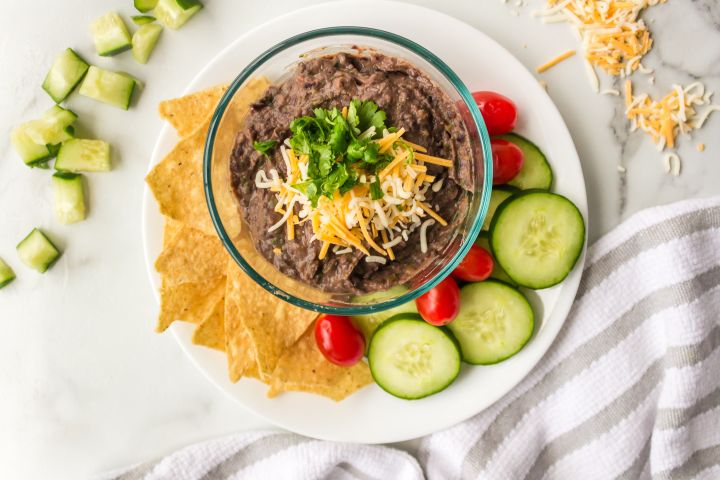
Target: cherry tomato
point(498, 111)
point(441, 304)
point(339, 340)
point(476, 266)
point(507, 160)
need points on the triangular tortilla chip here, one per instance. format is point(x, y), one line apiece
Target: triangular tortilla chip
point(186, 113)
point(192, 256)
point(177, 183)
point(238, 346)
point(272, 324)
point(211, 332)
point(188, 302)
point(304, 368)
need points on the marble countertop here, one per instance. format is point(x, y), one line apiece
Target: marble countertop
point(84, 384)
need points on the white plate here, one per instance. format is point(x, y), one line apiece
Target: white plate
point(371, 415)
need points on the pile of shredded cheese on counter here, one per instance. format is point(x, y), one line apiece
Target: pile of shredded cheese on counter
point(612, 36)
point(345, 221)
point(615, 39)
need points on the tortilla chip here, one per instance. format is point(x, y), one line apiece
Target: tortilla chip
point(272, 324)
point(186, 113)
point(303, 368)
point(188, 302)
point(211, 332)
point(177, 181)
point(192, 257)
point(238, 346)
point(172, 227)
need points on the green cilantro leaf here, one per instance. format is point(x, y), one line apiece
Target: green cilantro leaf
point(376, 192)
point(264, 147)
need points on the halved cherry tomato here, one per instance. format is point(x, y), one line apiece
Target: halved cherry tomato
point(507, 160)
point(498, 111)
point(441, 304)
point(476, 266)
point(339, 340)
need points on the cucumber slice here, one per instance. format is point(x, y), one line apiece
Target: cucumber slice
point(145, 5)
point(80, 155)
point(174, 13)
point(37, 251)
point(6, 274)
point(32, 154)
point(144, 41)
point(411, 359)
point(110, 35)
point(52, 127)
point(535, 172)
point(113, 88)
point(142, 19)
point(498, 196)
point(494, 323)
point(69, 197)
point(483, 241)
point(64, 75)
point(537, 238)
point(370, 322)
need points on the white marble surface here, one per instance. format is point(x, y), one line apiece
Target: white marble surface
point(85, 385)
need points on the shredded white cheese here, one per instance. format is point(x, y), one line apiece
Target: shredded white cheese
point(423, 234)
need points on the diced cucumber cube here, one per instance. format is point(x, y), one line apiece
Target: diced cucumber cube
point(37, 251)
point(69, 197)
point(81, 155)
point(144, 41)
point(51, 128)
point(174, 13)
point(145, 5)
point(31, 153)
point(110, 35)
point(142, 19)
point(113, 88)
point(64, 75)
point(6, 274)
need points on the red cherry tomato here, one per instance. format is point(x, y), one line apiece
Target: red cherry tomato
point(476, 266)
point(498, 111)
point(507, 160)
point(339, 340)
point(441, 304)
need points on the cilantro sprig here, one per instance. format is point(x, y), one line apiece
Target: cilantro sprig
point(339, 149)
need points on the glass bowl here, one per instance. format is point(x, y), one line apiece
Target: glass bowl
point(276, 64)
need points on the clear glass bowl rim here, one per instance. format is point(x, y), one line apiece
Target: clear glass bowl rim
point(417, 49)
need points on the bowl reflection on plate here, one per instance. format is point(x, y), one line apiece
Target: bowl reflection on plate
point(274, 66)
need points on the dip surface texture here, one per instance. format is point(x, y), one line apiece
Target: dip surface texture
point(412, 101)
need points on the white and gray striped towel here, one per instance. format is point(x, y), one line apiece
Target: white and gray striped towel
point(630, 389)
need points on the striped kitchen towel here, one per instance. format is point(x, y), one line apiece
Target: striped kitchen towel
point(630, 389)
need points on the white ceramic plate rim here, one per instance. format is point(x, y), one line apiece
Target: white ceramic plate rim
point(370, 415)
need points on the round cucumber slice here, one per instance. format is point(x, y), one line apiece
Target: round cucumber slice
point(494, 323)
point(370, 322)
point(537, 238)
point(498, 196)
point(535, 172)
point(412, 359)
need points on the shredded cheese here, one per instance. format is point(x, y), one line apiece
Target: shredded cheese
point(678, 112)
point(555, 61)
point(353, 221)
